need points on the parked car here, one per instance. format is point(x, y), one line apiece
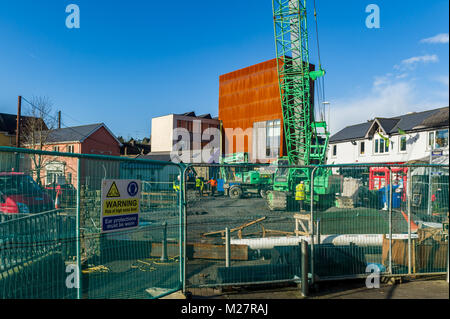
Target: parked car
point(20, 194)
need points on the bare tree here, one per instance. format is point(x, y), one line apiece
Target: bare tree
point(37, 127)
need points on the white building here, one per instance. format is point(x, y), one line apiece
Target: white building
point(392, 140)
point(187, 132)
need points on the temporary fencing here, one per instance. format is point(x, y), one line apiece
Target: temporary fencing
point(355, 219)
point(52, 240)
point(207, 225)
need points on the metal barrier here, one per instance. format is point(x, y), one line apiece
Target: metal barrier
point(228, 227)
point(357, 218)
point(52, 240)
point(391, 216)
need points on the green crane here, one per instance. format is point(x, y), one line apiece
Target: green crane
point(306, 139)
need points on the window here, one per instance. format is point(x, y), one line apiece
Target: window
point(55, 148)
point(185, 124)
point(431, 140)
point(70, 148)
point(362, 146)
point(334, 150)
point(273, 138)
point(402, 144)
point(380, 146)
point(441, 139)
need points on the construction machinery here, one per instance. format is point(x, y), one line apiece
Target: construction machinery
point(243, 179)
point(306, 139)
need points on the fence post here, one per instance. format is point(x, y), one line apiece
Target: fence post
point(430, 188)
point(312, 225)
point(448, 250)
point(183, 229)
point(227, 247)
point(390, 220)
point(77, 230)
point(164, 243)
point(408, 198)
point(304, 261)
point(318, 231)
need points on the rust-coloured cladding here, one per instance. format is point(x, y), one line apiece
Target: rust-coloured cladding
point(250, 95)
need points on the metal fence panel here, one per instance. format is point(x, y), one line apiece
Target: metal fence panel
point(369, 221)
point(50, 228)
point(263, 244)
point(356, 218)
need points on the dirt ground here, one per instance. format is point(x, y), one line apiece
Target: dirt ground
point(423, 288)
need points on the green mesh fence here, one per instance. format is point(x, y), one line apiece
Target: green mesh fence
point(263, 246)
point(355, 219)
point(52, 240)
point(53, 243)
point(368, 223)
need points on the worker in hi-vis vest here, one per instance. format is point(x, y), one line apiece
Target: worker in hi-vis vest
point(213, 184)
point(300, 194)
point(199, 185)
point(176, 184)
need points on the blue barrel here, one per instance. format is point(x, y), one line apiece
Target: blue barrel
point(220, 183)
point(396, 196)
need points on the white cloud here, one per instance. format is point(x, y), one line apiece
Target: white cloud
point(388, 97)
point(412, 62)
point(439, 38)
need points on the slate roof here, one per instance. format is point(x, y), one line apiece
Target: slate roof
point(156, 156)
point(388, 124)
point(408, 122)
point(72, 134)
point(192, 114)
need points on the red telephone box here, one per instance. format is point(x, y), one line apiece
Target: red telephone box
point(379, 177)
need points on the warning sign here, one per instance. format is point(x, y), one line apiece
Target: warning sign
point(113, 191)
point(120, 204)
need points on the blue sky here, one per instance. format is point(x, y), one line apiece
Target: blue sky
point(132, 60)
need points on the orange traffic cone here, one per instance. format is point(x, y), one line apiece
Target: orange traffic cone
point(414, 226)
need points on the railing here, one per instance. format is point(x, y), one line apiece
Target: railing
point(352, 226)
point(52, 242)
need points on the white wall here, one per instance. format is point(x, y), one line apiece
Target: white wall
point(416, 148)
point(162, 133)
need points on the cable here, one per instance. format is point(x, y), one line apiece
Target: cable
point(321, 82)
point(62, 124)
point(317, 34)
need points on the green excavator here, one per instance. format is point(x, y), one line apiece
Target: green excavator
point(306, 139)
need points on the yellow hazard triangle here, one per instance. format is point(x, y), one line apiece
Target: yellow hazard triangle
point(113, 191)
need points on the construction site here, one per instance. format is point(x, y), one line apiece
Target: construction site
point(272, 201)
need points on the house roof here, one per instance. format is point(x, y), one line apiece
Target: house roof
point(8, 122)
point(192, 114)
point(156, 156)
point(408, 122)
point(75, 133)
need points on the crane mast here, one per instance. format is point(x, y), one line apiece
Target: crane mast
point(304, 138)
